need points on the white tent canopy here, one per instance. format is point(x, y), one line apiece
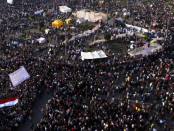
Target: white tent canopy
point(38, 12)
point(126, 13)
point(119, 19)
point(41, 40)
point(80, 20)
point(64, 9)
point(93, 55)
point(137, 28)
point(124, 10)
point(10, 1)
point(47, 31)
point(91, 16)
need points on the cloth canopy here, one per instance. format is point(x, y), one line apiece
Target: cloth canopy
point(47, 13)
point(44, 14)
point(101, 2)
point(119, 19)
point(93, 55)
point(10, 1)
point(38, 12)
point(153, 41)
point(80, 20)
point(64, 9)
point(91, 16)
point(124, 10)
point(116, 13)
point(137, 28)
point(126, 13)
point(47, 31)
point(57, 23)
point(41, 40)
point(68, 21)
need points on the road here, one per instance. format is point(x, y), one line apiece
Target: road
point(37, 115)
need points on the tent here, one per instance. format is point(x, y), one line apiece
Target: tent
point(101, 2)
point(91, 16)
point(44, 14)
point(120, 19)
point(80, 20)
point(153, 41)
point(10, 1)
point(41, 40)
point(47, 31)
point(57, 23)
point(137, 28)
point(116, 13)
point(93, 55)
point(68, 21)
point(38, 12)
point(126, 13)
point(64, 9)
point(124, 10)
point(47, 13)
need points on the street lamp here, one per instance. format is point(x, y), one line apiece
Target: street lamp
point(168, 24)
point(22, 7)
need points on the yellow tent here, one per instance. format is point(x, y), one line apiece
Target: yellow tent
point(101, 2)
point(57, 23)
point(68, 21)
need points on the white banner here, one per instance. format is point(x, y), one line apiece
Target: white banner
point(19, 76)
point(38, 12)
point(10, 1)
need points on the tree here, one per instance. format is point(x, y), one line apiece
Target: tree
point(43, 29)
point(107, 36)
point(62, 37)
point(41, 24)
point(126, 16)
point(88, 50)
point(32, 17)
point(169, 3)
point(22, 35)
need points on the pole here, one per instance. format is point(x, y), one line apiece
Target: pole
point(136, 38)
point(86, 93)
point(53, 5)
point(65, 44)
point(22, 6)
point(167, 26)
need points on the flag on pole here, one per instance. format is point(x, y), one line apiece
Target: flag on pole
point(2, 69)
point(10, 101)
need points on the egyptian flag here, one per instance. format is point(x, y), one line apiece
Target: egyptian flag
point(10, 101)
point(2, 69)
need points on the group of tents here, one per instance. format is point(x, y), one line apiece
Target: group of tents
point(59, 23)
point(56, 23)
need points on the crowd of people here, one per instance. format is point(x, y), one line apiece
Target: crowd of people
point(116, 93)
